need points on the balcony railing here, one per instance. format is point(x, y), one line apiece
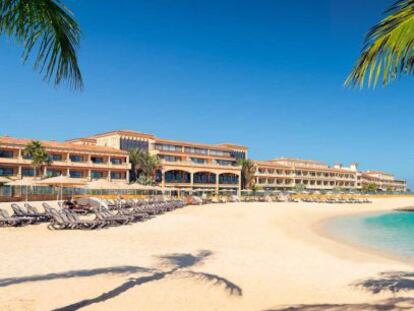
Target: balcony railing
point(190, 163)
point(68, 162)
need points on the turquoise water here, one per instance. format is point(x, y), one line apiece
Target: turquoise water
point(392, 232)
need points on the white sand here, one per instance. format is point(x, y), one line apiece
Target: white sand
point(274, 252)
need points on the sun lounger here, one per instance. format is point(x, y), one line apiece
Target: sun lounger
point(7, 220)
point(78, 223)
point(30, 211)
point(135, 214)
point(34, 211)
point(105, 215)
point(147, 210)
point(66, 219)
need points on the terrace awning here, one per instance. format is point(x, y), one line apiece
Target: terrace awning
point(61, 181)
point(23, 182)
point(107, 185)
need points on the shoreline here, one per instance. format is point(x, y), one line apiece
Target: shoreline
point(320, 228)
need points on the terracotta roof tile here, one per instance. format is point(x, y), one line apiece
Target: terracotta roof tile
point(61, 145)
point(124, 133)
point(193, 145)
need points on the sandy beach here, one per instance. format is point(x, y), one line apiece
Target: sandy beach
point(236, 256)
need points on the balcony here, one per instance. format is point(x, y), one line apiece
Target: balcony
point(274, 174)
point(68, 163)
point(204, 165)
point(283, 185)
point(12, 160)
point(104, 165)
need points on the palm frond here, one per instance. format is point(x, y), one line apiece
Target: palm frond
point(248, 170)
point(143, 161)
point(37, 152)
point(388, 48)
point(49, 26)
point(216, 280)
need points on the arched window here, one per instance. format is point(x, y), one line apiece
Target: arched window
point(229, 179)
point(177, 176)
point(204, 178)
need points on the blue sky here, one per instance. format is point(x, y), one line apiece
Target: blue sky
point(266, 74)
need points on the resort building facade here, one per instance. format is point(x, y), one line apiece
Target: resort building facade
point(77, 159)
point(184, 165)
point(383, 181)
point(288, 173)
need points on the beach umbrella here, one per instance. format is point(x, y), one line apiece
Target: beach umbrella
point(100, 184)
point(25, 182)
point(103, 184)
point(106, 185)
point(61, 182)
point(22, 182)
point(4, 180)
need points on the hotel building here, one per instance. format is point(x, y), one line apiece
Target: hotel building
point(383, 181)
point(184, 165)
point(78, 159)
point(287, 173)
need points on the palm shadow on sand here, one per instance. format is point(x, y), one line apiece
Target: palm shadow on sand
point(177, 265)
point(120, 270)
point(392, 281)
point(393, 304)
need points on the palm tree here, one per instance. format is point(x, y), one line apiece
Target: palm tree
point(37, 153)
point(248, 169)
point(149, 165)
point(299, 188)
point(144, 180)
point(143, 162)
point(388, 49)
point(49, 26)
point(135, 158)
